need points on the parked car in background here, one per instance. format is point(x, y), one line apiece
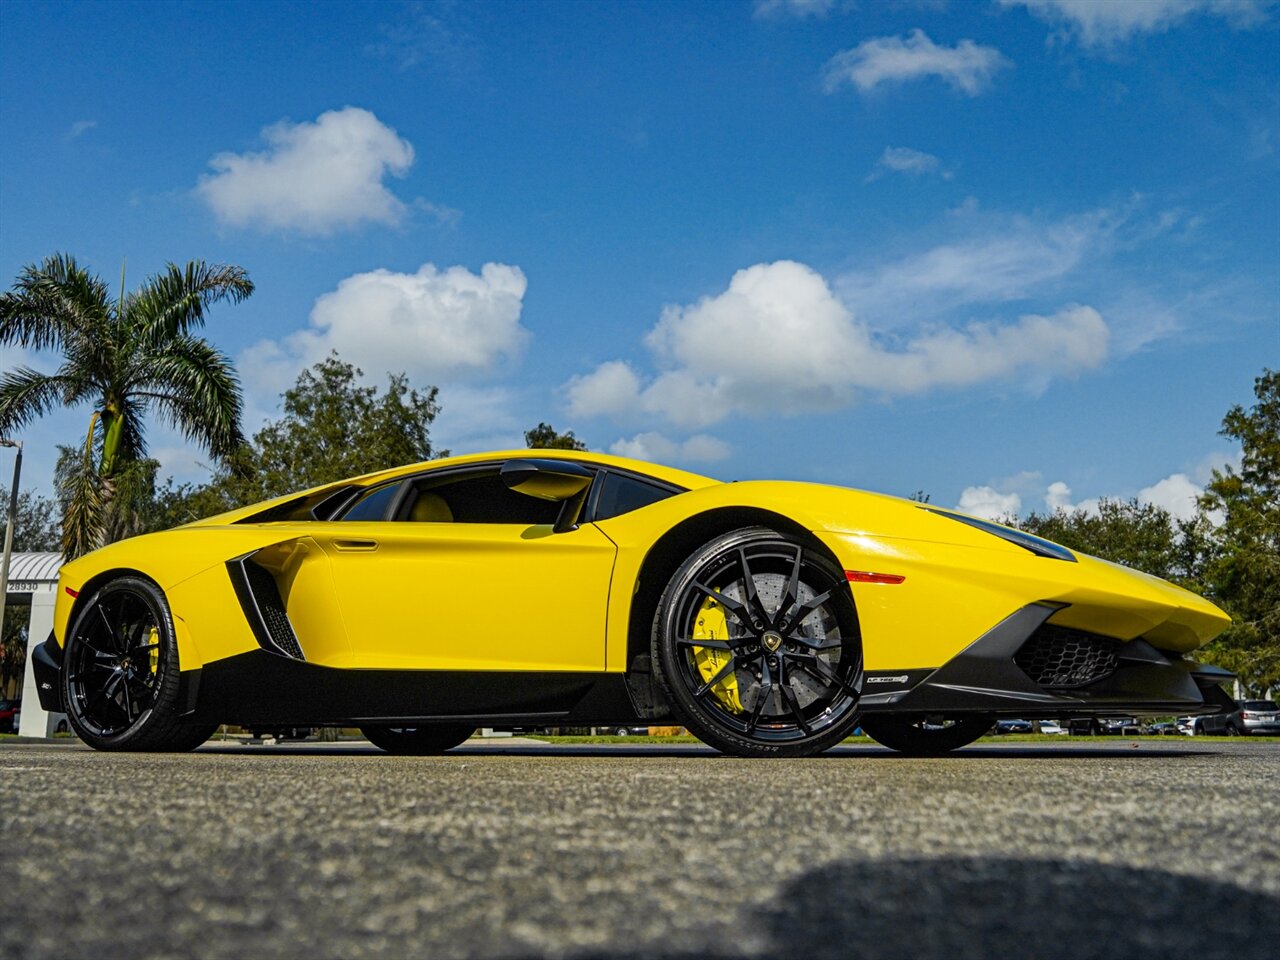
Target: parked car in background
point(1228, 724)
point(1052, 727)
point(9, 715)
point(1260, 716)
point(1166, 728)
point(1013, 726)
point(1119, 726)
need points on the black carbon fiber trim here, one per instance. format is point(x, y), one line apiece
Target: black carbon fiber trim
point(260, 598)
point(1062, 658)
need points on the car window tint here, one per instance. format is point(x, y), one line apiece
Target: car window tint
point(373, 505)
point(622, 494)
point(1261, 706)
point(481, 498)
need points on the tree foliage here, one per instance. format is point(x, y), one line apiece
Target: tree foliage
point(128, 357)
point(37, 526)
point(1139, 535)
point(333, 427)
point(1242, 564)
point(545, 437)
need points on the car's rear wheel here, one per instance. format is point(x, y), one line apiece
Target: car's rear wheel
point(922, 735)
point(120, 671)
point(418, 741)
point(757, 643)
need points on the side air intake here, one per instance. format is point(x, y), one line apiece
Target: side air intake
point(260, 597)
point(1059, 657)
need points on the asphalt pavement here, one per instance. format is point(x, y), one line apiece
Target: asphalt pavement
point(1161, 849)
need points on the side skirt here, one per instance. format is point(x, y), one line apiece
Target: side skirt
point(259, 687)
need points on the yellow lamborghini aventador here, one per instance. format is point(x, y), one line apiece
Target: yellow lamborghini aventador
point(538, 588)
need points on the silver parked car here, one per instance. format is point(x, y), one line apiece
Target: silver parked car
point(1260, 716)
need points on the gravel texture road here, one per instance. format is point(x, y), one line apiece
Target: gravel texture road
point(1153, 849)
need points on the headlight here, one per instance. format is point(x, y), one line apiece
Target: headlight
point(1037, 545)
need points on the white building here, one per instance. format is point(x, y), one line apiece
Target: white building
point(33, 577)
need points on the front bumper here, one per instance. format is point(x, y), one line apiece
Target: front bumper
point(46, 664)
point(986, 678)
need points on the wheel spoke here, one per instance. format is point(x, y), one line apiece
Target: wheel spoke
point(749, 589)
point(801, 639)
point(740, 613)
point(818, 669)
point(128, 702)
point(792, 620)
point(793, 587)
point(789, 695)
point(762, 698)
point(720, 675)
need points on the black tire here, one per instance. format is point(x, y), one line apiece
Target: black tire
point(910, 734)
point(120, 670)
point(794, 654)
point(418, 741)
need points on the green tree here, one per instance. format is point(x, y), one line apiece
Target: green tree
point(1242, 568)
point(128, 357)
point(545, 437)
point(1139, 535)
point(38, 522)
point(333, 428)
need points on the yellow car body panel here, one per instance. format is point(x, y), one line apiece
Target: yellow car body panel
point(516, 598)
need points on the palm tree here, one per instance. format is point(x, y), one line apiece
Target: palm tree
point(129, 357)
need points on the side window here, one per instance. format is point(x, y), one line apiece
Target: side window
point(479, 497)
point(374, 504)
point(622, 494)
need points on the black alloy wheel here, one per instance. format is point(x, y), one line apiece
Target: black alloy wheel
point(120, 671)
point(924, 735)
point(418, 741)
point(757, 642)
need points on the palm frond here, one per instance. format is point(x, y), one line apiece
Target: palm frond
point(27, 394)
point(173, 302)
point(84, 497)
point(52, 304)
point(193, 385)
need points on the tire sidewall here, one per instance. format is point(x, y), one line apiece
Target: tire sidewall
point(135, 736)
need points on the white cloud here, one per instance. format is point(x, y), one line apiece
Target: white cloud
point(989, 503)
point(779, 340)
point(79, 128)
point(435, 325)
point(656, 448)
point(966, 67)
point(1107, 22)
point(909, 161)
point(1175, 493)
point(765, 9)
point(314, 177)
point(999, 260)
point(612, 389)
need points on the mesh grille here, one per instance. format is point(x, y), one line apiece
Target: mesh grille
point(1061, 657)
point(274, 618)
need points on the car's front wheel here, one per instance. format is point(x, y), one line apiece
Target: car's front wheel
point(120, 671)
point(921, 735)
point(418, 741)
point(757, 644)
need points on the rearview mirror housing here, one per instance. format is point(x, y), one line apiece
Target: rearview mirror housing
point(558, 480)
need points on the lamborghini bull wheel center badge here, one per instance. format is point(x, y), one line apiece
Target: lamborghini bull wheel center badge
point(771, 640)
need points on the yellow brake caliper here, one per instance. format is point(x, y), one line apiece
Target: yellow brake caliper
point(153, 641)
point(711, 625)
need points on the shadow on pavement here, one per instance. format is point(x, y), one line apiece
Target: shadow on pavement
point(956, 909)
point(1024, 751)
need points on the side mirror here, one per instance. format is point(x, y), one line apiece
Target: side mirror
point(558, 480)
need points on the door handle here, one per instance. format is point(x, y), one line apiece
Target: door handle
point(355, 546)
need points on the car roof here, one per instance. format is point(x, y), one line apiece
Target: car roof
point(671, 475)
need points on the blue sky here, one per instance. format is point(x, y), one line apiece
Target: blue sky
point(1017, 254)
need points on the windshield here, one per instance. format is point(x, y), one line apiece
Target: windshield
point(1262, 706)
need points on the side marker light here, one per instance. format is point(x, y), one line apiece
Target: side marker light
point(72, 593)
point(866, 576)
